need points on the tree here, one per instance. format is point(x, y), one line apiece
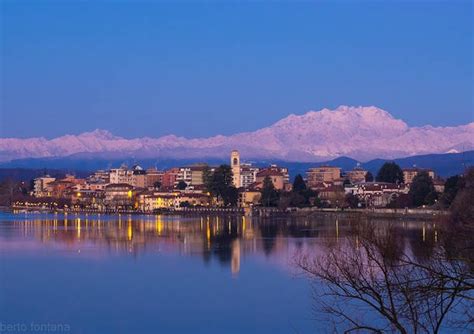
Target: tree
point(352, 200)
point(462, 208)
point(422, 191)
point(367, 283)
point(181, 185)
point(299, 196)
point(230, 196)
point(298, 184)
point(451, 188)
point(207, 178)
point(369, 177)
point(220, 184)
point(270, 196)
point(390, 172)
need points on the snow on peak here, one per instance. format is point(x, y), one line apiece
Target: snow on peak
point(99, 134)
point(360, 132)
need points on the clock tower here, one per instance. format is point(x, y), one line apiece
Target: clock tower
point(235, 165)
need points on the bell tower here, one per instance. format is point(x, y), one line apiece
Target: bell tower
point(235, 165)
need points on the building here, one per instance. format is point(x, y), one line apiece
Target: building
point(100, 176)
point(154, 176)
point(152, 200)
point(318, 175)
point(357, 175)
point(410, 173)
point(168, 180)
point(235, 165)
point(249, 198)
point(61, 188)
point(278, 175)
point(194, 199)
point(193, 175)
point(334, 195)
point(41, 186)
point(138, 177)
point(121, 175)
point(439, 185)
point(118, 194)
point(377, 194)
point(248, 175)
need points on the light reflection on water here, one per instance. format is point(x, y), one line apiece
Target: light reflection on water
point(198, 274)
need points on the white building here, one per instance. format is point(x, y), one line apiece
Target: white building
point(40, 186)
point(248, 175)
point(121, 175)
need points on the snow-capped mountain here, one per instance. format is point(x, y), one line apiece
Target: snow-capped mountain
point(362, 133)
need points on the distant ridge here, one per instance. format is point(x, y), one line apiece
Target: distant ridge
point(443, 164)
point(361, 133)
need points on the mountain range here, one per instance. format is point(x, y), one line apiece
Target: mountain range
point(361, 133)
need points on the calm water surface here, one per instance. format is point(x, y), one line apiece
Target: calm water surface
point(163, 274)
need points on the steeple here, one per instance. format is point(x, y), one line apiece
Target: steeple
point(235, 164)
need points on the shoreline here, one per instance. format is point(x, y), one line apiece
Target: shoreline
point(262, 212)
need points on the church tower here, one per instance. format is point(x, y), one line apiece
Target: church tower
point(235, 164)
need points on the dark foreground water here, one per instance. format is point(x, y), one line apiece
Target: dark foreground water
point(161, 274)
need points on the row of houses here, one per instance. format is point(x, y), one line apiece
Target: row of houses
point(333, 185)
point(152, 189)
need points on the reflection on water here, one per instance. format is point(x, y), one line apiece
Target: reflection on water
point(169, 273)
point(225, 238)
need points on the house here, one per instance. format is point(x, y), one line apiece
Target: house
point(333, 194)
point(248, 198)
point(377, 194)
point(278, 175)
point(118, 194)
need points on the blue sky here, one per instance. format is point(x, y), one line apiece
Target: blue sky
point(151, 68)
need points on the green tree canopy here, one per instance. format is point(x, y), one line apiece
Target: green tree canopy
point(422, 191)
point(390, 172)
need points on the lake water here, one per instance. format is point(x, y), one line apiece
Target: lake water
point(163, 274)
